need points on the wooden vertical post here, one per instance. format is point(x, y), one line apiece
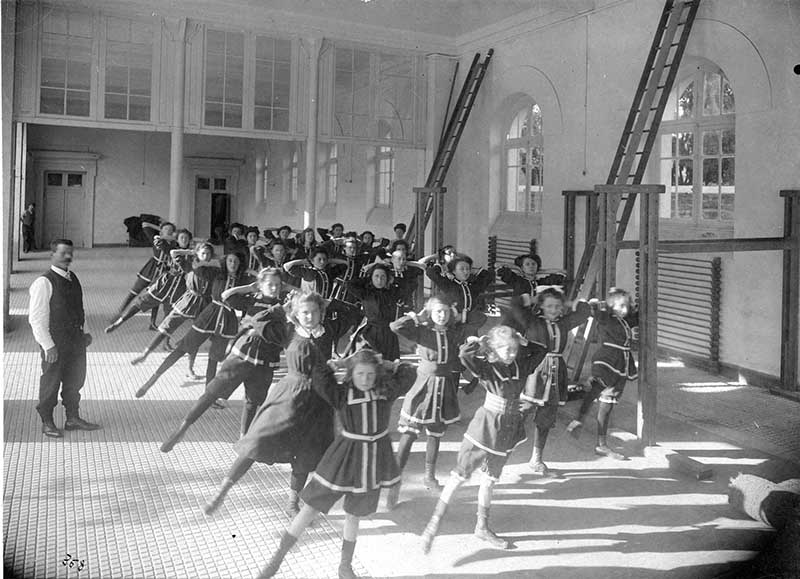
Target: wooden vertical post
point(646, 411)
point(569, 233)
point(437, 235)
point(790, 310)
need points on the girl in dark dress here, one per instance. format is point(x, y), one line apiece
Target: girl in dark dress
point(463, 290)
point(612, 366)
point(196, 297)
point(501, 360)
point(294, 424)
point(548, 326)
point(216, 322)
point(154, 267)
point(522, 279)
point(252, 359)
point(360, 461)
point(432, 402)
point(379, 299)
point(170, 282)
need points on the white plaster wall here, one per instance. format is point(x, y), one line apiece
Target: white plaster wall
point(585, 99)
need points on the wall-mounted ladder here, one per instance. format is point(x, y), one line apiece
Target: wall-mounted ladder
point(449, 141)
point(632, 155)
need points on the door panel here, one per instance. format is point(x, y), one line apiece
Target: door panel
point(64, 207)
point(54, 201)
point(73, 216)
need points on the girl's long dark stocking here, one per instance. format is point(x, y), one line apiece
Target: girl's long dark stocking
point(297, 481)
point(211, 370)
point(404, 449)
point(540, 437)
point(594, 392)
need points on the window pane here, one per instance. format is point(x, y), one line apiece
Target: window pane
point(262, 118)
point(234, 74)
point(116, 79)
point(685, 173)
point(728, 142)
point(54, 179)
point(728, 171)
point(235, 43)
point(263, 96)
point(78, 103)
point(215, 41)
point(74, 180)
point(711, 143)
point(360, 126)
point(139, 108)
point(280, 119)
point(343, 125)
point(726, 207)
point(220, 184)
point(685, 144)
point(52, 101)
point(233, 116)
point(710, 206)
point(686, 101)
point(343, 92)
point(711, 94)
point(282, 85)
point(215, 76)
point(140, 81)
point(283, 50)
point(213, 114)
point(710, 173)
point(265, 48)
point(54, 21)
point(684, 205)
point(80, 24)
point(728, 104)
point(116, 106)
point(202, 183)
point(79, 75)
point(54, 72)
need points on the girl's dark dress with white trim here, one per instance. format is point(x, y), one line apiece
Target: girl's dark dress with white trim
point(614, 363)
point(294, 425)
point(380, 309)
point(361, 459)
point(433, 399)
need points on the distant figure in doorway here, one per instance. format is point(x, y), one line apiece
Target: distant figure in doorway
point(56, 317)
point(28, 218)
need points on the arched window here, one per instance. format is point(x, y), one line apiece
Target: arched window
point(697, 148)
point(524, 158)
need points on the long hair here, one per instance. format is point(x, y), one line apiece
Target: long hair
point(300, 298)
point(368, 357)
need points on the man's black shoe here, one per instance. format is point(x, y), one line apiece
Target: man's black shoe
point(80, 424)
point(49, 429)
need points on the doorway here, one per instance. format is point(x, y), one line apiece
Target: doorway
point(212, 206)
point(63, 206)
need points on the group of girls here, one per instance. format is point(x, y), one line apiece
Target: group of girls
point(518, 363)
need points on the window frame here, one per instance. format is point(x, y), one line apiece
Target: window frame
point(526, 142)
point(384, 160)
point(225, 102)
point(698, 124)
point(332, 174)
point(131, 45)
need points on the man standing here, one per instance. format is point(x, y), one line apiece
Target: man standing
point(56, 317)
point(28, 218)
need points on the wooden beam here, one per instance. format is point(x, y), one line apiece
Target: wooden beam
point(790, 298)
point(715, 245)
point(646, 408)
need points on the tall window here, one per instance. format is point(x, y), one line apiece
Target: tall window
point(66, 63)
point(332, 174)
point(523, 148)
point(294, 177)
point(273, 82)
point(697, 148)
point(129, 56)
point(396, 80)
point(351, 92)
point(384, 176)
point(224, 78)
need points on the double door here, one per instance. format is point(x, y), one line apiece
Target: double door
point(64, 200)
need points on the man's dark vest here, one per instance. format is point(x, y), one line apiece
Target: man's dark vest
point(66, 306)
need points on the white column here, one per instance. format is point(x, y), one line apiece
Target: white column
point(176, 134)
point(312, 46)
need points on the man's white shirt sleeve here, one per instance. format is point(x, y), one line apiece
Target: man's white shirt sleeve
point(41, 291)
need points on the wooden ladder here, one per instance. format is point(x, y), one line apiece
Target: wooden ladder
point(632, 155)
point(449, 141)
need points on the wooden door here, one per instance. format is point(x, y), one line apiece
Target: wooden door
point(63, 207)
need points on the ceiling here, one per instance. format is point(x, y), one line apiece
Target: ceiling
point(447, 18)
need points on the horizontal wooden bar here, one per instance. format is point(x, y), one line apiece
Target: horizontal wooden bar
point(630, 189)
point(716, 245)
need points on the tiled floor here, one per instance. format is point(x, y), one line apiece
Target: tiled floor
point(111, 501)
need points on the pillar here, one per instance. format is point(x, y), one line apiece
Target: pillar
point(178, 36)
point(313, 47)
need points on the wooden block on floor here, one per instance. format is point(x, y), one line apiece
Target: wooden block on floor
point(689, 466)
